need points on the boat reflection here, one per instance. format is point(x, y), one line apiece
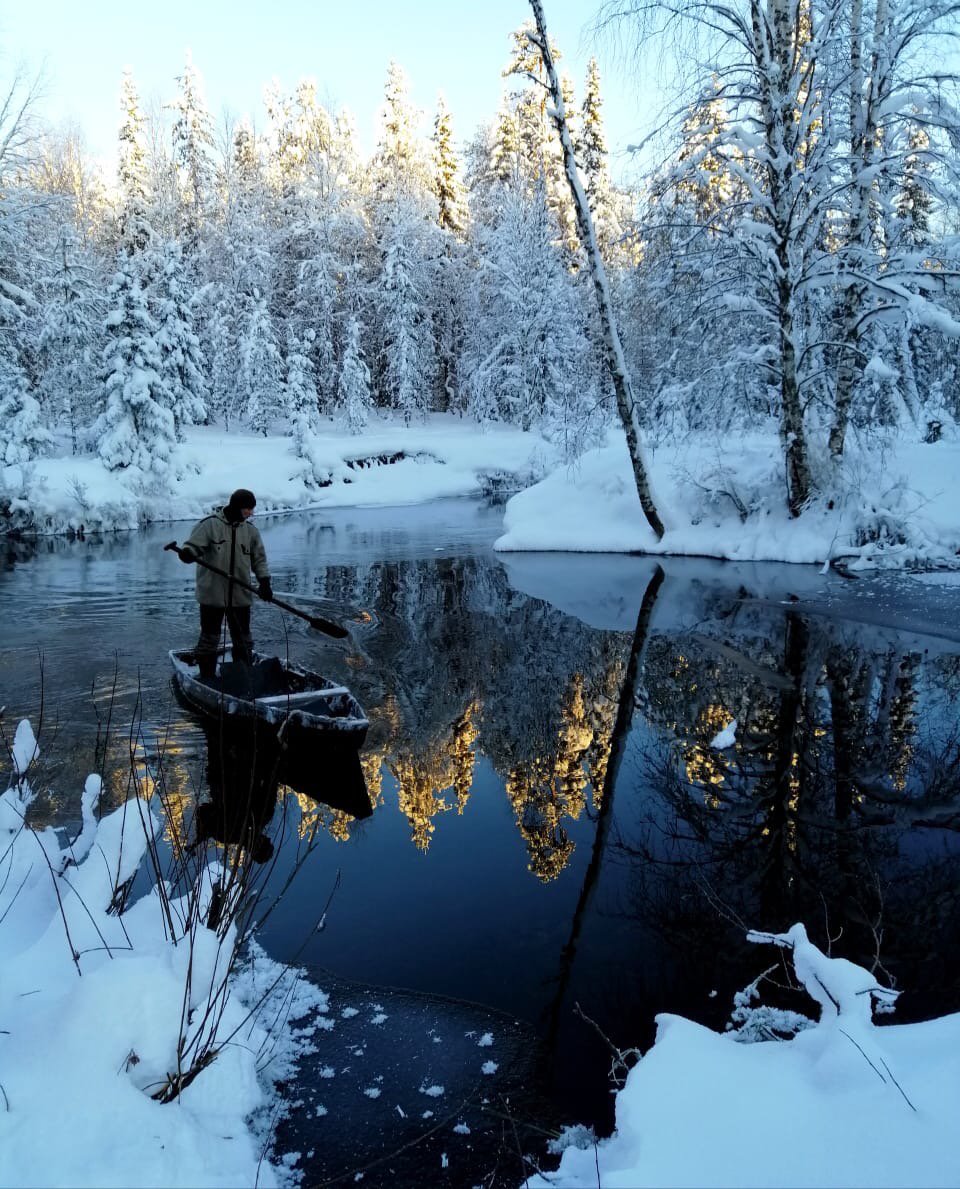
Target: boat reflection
point(246, 770)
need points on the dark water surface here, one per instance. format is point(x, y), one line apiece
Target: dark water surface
point(550, 827)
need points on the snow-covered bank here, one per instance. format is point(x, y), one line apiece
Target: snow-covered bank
point(97, 997)
point(898, 503)
point(390, 463)
point(843, 1103)
point(898, 506)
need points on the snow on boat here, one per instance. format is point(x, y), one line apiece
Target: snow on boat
point(293, 700)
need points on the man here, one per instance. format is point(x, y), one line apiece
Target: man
point(228, 540)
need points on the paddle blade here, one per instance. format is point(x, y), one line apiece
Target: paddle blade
point(329, 628)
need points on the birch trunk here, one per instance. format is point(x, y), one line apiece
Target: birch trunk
point(866, 97)
point(775, 48)
point(613, 349)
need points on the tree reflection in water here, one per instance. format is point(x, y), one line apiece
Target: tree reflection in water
point(847, 743)
point(456, 665)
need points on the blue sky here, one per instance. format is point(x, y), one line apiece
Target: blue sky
point(455, 47)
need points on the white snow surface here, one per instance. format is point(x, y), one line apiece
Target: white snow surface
point(843, 1103)
point(894, 502)
point(85, 1041)
point(725, 738)
point(444, 456)
point(882, 493)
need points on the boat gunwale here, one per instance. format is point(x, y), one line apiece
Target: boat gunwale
point(209, 700)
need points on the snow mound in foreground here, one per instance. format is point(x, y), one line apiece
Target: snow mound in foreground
point(96, 998)
point(844, 1103)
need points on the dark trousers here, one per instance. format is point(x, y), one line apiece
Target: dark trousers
point(211, 624)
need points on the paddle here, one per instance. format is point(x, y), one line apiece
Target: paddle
point(336, 630)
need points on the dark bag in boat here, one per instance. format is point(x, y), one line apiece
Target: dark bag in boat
point(261, 680)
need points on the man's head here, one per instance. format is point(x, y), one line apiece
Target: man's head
point(241, 505)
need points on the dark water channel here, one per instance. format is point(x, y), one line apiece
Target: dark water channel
point(550, 825)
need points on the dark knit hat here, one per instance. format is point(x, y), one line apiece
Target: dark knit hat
point(243, 498)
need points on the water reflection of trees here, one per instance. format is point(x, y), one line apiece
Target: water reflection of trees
point(452, 665)
point(846, 741)
point(457, 665)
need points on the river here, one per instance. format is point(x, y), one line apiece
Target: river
point(552, 836)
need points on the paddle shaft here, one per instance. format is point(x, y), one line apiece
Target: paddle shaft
point(315, 621)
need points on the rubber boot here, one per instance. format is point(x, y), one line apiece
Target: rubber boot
point(207, 663)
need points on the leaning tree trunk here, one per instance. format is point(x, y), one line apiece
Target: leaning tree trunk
point(613, 350)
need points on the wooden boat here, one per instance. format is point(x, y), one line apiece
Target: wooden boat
point(300, 705)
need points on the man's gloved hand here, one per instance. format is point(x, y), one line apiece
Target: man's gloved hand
point(265, 590)
point(186, 556)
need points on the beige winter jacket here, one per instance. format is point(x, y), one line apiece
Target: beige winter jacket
point(235, 548)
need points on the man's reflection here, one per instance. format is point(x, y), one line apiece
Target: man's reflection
point(245, 769)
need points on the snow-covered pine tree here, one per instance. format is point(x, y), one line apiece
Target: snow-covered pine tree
point(448, 187)
point(260, 368)
point(69, 337)
point(182, 366)
point(354, 396)
point(593, 158)
point(301, 397)
point(22, 433)
point(192, 138)
point(401, 163)
point(136, 432)
point(132, 173)
point(528, 355)
point(407, 348)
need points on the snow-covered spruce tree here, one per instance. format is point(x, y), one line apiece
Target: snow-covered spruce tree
point(221, 337)
point(182, 366)
point(301, 395)
point(404, 326)
point(70, 329)
point(315, 312)
point(605, 203)
point(528, 359)
point(192, 139)
point(354, 395)
point(506, 163)
point(136, 432)
point(20, 265)
point(22, 433)
point(453, 279)
point(401, 162)
point(539, 155)
point(452, 211)
point(132, 172)
point(260, 368)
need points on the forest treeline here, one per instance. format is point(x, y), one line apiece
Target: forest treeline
point(788, 262)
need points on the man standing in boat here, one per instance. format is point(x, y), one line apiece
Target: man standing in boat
point(229, 540)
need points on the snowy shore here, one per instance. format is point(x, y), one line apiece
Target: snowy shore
point(842, 1103)
point(102, 1003)
point(390, 464)
point(896, 507)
